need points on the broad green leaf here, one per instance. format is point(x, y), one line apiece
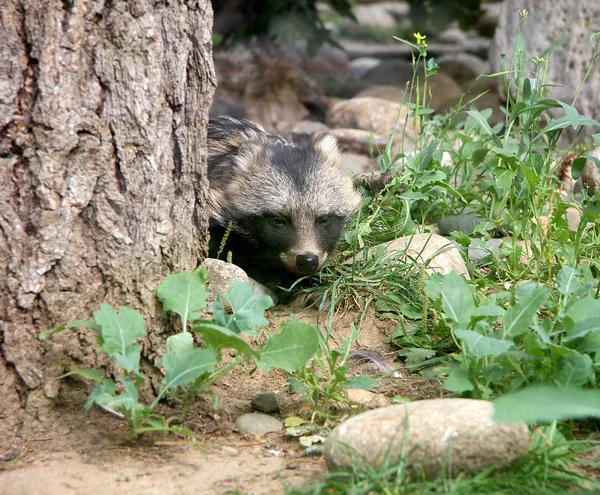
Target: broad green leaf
point(219, 337)
point(119, 330)
point(573, 370)
point(546, 404)
point(457, 299)
point(180, 343)
point(555, 125)
point(360, 382)
point(291, 348)
point(247, 310)
point(518, 317)
point(416, 355)
point(185, 368)
point(481, 346)
point(572, 114)
point(579, 163)
point(130, 361)
point(184, 293)
point(583, 309)
point(489, 311)
point(458, 381)
point(582, 328)
point(567, 280)
point(103, 392)
point(74, 324)
point(90, 374)
point(596, 139)
point(127, 400)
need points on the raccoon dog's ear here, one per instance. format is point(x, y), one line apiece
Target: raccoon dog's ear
point(328, 146)
point(247, 157)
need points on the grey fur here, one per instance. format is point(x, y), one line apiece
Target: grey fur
point(251, 173)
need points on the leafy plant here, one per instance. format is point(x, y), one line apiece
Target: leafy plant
point(187, 369)
point(512, 340)
point(323, 381)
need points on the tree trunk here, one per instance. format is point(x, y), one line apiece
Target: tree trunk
point(103, 116)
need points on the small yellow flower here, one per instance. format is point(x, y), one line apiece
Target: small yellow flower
point(419, 37)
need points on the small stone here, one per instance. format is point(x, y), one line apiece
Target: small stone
point(461, 223)
point(367, 398)
point(258, 424)
point(453, 36)
point(478, 253)
point(371, 114)
point(360, 66)
point(442, 434)
point(266, 402)
point(221, 273)
point(309, 127)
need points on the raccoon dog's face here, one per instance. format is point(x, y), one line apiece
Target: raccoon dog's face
point(290, 202)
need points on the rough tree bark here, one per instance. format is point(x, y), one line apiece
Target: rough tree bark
point(103, 115)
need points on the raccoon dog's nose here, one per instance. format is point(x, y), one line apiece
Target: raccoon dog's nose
point(307, 263)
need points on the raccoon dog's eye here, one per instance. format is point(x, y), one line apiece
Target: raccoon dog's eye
point(279, 221)
point(322, 221)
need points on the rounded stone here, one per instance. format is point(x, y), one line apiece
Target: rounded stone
point(258, 424)
point(266, 402)
point(435, 436)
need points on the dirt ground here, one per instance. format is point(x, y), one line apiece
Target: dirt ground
point(80, 453)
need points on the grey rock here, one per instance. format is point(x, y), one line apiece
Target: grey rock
point(384, 91)
point(221, 273)
point(440, 254)
point(489, 18)
point(435, 435)
point(266, 402)
point(358, 140)
point(465, 223)
point(478, 252)
point(453, 35)
point(360, 66)
point(564, 22)
point(371, 114)
point(462, 67)
point(258, 424)
point(309, 127)
point(356, 163)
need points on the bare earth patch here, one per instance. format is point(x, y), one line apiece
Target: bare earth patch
point(77, 453)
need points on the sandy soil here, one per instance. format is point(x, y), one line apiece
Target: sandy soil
point(79, 453)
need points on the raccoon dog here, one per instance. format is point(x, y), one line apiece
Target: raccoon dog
point(288, 202)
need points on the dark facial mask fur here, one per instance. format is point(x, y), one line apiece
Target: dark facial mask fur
point(288, 202)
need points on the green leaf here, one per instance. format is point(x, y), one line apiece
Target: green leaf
point(180, 343)
point(583, 309)
point(219, 337)
point(184, 293)
point(574, 370)
point(458, 381)
point(572, 114)
point(103, 392)
point(119, 330)
point(74, 324)
point(582, 328)
point(457, 300)
point(184, 368)
point(130, 361)
point(90, 374)
point(545, 404)
point(481, 346)
point(489, 311)
point(579, 163)
point(291, 348)
point(415, 355)
point(247, 310)
point(567, 280)
point(518, 317)
point(360, 382)
point(519, 59)
point(483, 124)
